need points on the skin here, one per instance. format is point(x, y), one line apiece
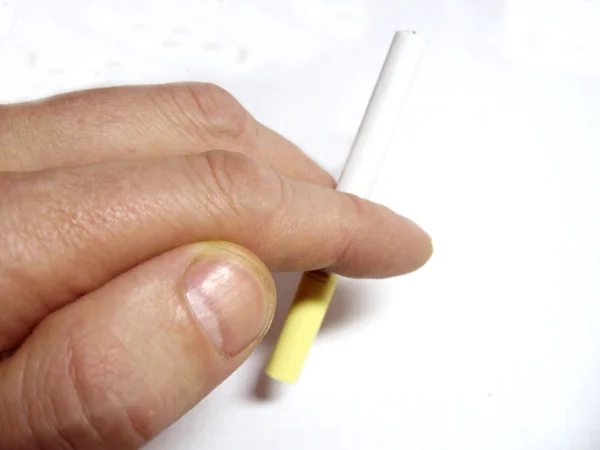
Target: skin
point(128, 213)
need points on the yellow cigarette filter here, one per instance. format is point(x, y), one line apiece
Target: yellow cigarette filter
point(301, 326)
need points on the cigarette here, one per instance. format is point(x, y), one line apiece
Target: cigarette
point(360, 172)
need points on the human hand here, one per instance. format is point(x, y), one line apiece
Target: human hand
point(135, 259)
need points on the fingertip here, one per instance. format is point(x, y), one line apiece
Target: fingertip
point(421, 247)
point(411, 250)
point(382, 244)
point(423, 252)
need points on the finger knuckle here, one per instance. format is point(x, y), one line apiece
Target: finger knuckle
point(353, 215)
point(238, 186)
point(204, 110)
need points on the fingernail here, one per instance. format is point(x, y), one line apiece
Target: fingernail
point(229, 303)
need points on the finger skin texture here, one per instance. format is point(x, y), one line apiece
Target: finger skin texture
point(116, 367)
point(67, 232)
point(135, 257)
point(136, 122)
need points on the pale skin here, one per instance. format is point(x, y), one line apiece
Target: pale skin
point(139, 227)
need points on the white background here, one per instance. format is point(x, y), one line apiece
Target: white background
point(496, 343)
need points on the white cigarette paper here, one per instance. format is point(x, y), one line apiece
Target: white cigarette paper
point(383, 112)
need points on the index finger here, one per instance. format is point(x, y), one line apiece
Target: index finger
point(69, 231)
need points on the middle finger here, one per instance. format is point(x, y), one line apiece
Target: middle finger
point(136, 122)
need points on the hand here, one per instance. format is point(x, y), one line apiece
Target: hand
point(135, 259)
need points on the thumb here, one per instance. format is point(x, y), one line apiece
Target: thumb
point(114, 368)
